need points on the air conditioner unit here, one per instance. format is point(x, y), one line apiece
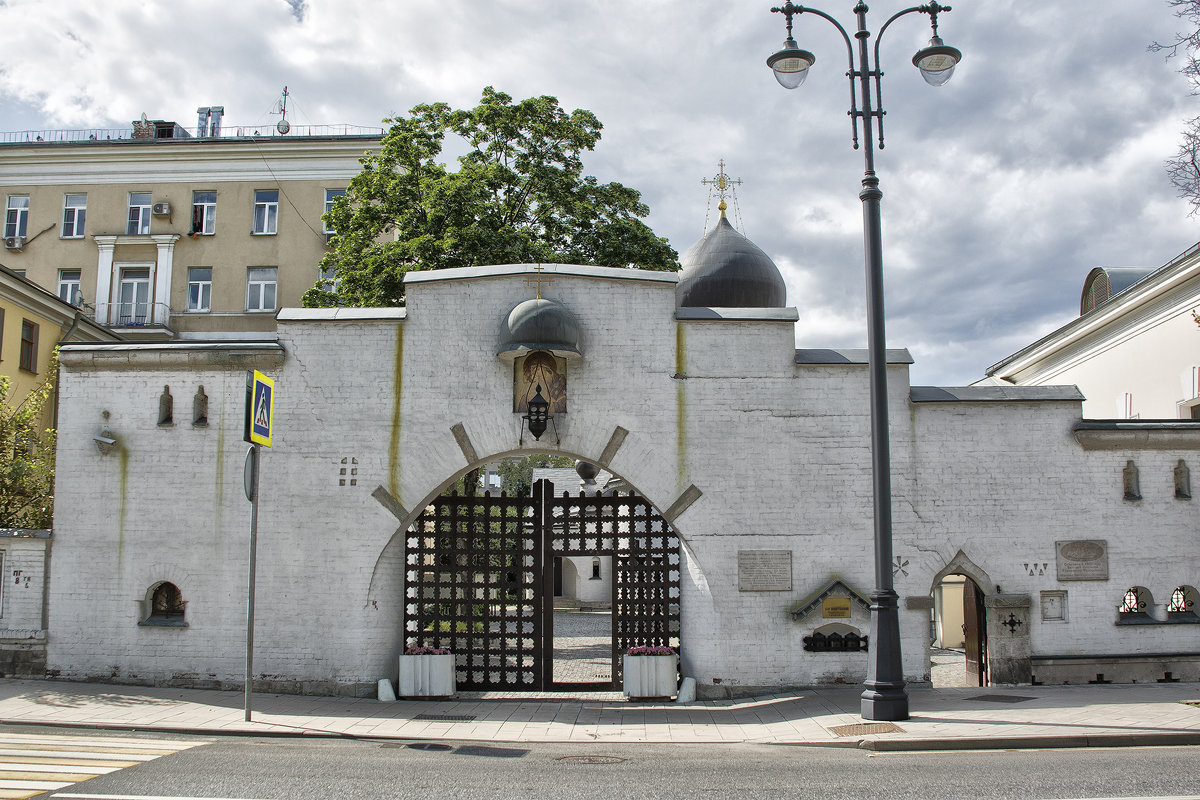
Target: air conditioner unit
point(14, 242)
point(161, 209)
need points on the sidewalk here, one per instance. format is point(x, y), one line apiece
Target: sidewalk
point(994, 717)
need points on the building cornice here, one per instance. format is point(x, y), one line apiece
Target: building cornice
point(185, 161)
point(1116, 311)
point(1124, 434)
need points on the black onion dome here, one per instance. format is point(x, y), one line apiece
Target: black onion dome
point(726, 270)
point(540, 324)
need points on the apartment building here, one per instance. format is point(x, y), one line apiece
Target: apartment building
point(159, 232)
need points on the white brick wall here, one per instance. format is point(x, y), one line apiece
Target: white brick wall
point(780, 452)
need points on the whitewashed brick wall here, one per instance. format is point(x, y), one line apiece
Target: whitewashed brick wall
point(779, 450)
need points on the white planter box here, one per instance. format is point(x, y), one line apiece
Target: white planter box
point(427, 676)
point(650, 676)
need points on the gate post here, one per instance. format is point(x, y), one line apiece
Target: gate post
point(1009, 653)
point(543, 521)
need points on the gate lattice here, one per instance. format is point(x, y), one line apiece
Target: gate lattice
point(479, 580)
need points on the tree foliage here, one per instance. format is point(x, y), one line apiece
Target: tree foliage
point(519, 195)
point(516, 474)
point(1183, 168)
point(26, 456)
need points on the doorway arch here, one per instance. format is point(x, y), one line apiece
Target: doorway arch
point(959, 592)
point(478, 578)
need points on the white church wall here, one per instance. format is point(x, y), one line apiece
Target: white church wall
point(371, 398)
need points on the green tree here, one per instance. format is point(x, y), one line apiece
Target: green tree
point(519, 195)
point(26, 456)
point(516, 474)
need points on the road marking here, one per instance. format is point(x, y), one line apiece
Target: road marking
point(31, 764)
point(145, 797)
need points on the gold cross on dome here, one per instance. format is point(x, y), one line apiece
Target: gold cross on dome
point(539, 280)
point(723, 183)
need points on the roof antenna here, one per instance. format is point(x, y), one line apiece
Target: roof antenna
point(283, 126)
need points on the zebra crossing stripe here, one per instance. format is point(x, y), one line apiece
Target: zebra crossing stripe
point(31, 765)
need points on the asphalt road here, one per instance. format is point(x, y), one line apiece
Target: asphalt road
point(245, 768)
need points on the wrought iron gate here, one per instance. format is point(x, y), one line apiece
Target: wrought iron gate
point(480, 580)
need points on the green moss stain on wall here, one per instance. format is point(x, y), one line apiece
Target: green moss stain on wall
point(219, 476)
point(123, 460)
point(681, 437)
point(394, 445)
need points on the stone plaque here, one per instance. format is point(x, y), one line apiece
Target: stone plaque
point(1082, 560)
point(764, 570)
point(836, 608)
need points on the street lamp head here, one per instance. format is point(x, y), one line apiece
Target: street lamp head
point(791, 64)
point(937, 61)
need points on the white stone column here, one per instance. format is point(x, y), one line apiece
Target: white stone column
point(104, 269)
point(161, 301)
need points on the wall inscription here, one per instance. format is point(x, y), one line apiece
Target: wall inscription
point(764, 570)
point(835, 608)
point(1082, 560)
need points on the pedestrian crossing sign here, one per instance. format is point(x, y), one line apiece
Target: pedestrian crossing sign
point(260, 405)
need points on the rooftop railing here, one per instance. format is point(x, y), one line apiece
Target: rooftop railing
point(264, 131)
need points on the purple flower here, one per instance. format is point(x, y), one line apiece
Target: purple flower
point(650, 650)
point(426, 650)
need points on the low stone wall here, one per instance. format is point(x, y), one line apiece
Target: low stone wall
point(1149, 668)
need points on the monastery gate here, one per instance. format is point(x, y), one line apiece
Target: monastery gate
point(480, 580)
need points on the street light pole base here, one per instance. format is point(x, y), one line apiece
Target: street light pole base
point(884, 704)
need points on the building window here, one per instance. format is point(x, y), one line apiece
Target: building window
point(260, 289)
point(327, 280)
point(266, 211)
point(199, 289)
point(139, 213)
point(74, 214)
point(16, 217)
point(1135, 605)
point(29, 343)
point(133, 306)
point(204, 213)
point(68, 286)
point(166, 606)
point(330, 196)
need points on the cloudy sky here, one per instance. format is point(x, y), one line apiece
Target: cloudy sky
point(1041, 159)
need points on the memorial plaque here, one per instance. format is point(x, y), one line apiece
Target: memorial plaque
point(836, 608)
point(1082, 560)
point(764, 570)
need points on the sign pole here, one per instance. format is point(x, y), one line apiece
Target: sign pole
point(251, 481)
point(260, 407)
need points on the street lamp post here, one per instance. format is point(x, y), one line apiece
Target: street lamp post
point(883, 697)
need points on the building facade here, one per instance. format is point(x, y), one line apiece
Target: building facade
point(754, 455)
point(1133, 350)
point(162, 234)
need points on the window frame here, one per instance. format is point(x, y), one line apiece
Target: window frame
point(29, 344)
point(77, 282)
point(270, 213)
point(140, 227)
point(260, 289)
point(16, 218)
point(208, 219)
point(206, 305)
point(331, 196)
point(78, 217)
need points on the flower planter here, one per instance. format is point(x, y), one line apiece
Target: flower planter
point(427, 675)
point(650, 676)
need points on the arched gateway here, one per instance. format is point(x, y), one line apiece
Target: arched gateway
point(480, 575)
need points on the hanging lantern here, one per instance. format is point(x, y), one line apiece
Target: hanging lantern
point(539, 413)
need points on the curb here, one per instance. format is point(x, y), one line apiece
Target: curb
point(1163, 739)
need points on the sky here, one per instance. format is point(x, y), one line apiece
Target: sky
point(1041, 159)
